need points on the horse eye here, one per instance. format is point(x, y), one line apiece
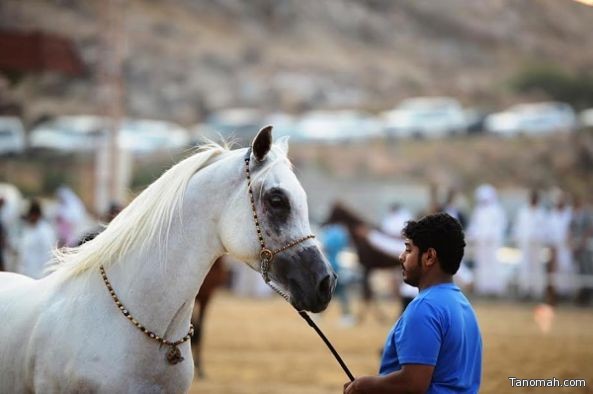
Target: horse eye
point(278, 201)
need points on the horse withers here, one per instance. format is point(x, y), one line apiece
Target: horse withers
point(115, 314)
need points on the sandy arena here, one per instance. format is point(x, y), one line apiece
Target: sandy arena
point(264, 347)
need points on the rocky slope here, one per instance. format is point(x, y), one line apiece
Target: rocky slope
point(182, 58)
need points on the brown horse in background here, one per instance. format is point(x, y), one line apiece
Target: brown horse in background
point(217, 277)
point(368, 256)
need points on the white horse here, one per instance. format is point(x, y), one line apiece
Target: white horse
point(65, 333)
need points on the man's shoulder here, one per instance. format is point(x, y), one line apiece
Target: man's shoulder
point(421, 306)
point(438, 299)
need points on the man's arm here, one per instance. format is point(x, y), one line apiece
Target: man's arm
point(412, 378)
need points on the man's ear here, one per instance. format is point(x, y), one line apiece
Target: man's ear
point(431, 257)
point(262, 143)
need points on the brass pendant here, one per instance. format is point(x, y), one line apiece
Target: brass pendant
point(174, 355)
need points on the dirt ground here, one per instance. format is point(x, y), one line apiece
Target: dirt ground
point(264, 347)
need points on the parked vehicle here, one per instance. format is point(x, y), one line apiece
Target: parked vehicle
point(425, 117)
point(84, 133)
point(12, 135)
point(147, 135)
point(69, 133)
point(339, 126)
point(532, 119)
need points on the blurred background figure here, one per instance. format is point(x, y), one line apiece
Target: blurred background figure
point(246, 282)
point(36, 242)
point(393, 225)
point(395, 220)
point(581, 239)
point(390, 241)
point(335, 239)
point(2, 237)
point(450, 206)
point(114, 209)
point(486, 234)
point(561, 268)
point(10, 218)
point(529, 232)
point(70, 216)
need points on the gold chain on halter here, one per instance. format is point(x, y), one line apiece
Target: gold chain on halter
point(173, 355)
point(266, 255)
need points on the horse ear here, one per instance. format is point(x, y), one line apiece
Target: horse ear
point(262, 143)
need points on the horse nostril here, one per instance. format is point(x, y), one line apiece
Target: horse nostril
point(325, 286)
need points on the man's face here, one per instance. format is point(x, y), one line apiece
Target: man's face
point(411, 264)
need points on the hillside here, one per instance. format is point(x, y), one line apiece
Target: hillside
point(183, 58)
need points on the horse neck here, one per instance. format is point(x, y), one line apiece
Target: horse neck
point(159, 284)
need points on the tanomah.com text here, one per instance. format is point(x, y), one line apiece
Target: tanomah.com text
point(550, 382)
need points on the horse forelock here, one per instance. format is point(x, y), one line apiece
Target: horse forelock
point(144, 221)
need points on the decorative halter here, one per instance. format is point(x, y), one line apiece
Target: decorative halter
point(266, 255)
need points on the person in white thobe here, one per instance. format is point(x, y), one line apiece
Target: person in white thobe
point(485, 232)
point(36, 243)
point(70, 216)
point(558, 229)
point(529, 233)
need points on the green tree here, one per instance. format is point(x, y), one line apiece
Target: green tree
point(573, 88)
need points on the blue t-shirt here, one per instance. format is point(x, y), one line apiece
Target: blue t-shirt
point(438, 328)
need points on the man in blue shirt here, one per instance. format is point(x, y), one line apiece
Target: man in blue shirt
point(435, 346)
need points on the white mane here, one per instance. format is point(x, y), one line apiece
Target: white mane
point(149, 216)
point(142, 221)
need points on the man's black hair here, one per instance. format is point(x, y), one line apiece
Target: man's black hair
point(441, 232)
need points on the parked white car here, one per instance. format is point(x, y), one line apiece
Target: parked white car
point(12, 135)
point(425, 117)
point(84, 133)
point(339, 126)
point(147, 135)
point(532, 119)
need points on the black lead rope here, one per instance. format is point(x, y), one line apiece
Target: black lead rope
point(310, 321)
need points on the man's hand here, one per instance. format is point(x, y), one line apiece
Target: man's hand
point(357, 386)
point(412, 378)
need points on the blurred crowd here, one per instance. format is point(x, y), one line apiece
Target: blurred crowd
point(30, 232)
point(543, 252)
point(554, 244)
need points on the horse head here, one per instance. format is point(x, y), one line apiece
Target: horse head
point(276, 217)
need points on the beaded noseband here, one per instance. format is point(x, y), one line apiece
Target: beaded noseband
point(266, 255)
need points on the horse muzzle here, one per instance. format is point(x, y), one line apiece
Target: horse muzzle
point(307, 276)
